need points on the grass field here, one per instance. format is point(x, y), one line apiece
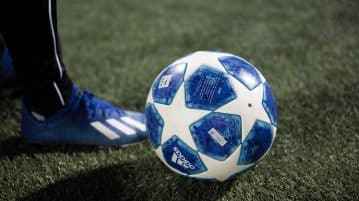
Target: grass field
point(307, 50)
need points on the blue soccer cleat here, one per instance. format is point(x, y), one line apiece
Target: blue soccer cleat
point(85, 120)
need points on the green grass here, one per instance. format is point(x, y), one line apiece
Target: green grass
point(307, 50)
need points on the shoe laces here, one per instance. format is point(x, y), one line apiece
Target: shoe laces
point(96, 107)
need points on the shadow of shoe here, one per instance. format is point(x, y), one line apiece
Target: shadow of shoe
point(120, 182)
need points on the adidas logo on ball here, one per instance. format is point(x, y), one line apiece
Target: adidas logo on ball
point(179, 159)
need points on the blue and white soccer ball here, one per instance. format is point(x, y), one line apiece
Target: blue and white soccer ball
point(211, 115)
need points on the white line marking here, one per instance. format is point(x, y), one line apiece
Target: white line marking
point(134, 123)
point(110, 134)
point(120, 126)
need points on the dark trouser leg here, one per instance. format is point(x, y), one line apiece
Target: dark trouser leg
point(29, 29)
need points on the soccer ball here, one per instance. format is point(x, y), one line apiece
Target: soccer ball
point(211, 115)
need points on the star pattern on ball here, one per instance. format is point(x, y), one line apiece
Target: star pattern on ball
point(180, 127)
point(201, 58)
point(248, 105)
point(219, 169)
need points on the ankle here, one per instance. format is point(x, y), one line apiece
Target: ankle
point(45, 99)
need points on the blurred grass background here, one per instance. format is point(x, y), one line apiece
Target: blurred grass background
point(307, 50)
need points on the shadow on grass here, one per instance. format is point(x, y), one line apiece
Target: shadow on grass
point(121, 182)
point(14, 146)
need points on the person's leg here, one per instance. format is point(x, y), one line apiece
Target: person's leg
point(30, 31)
point(54, 110)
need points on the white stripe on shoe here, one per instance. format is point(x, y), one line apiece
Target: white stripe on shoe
point(120, 126)
point(110, 134)
point(134, 123)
